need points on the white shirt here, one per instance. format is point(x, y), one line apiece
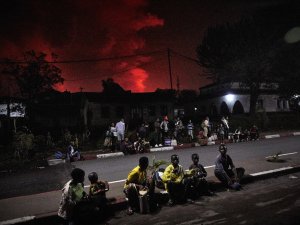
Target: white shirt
point(225, 123)
point(120, 126)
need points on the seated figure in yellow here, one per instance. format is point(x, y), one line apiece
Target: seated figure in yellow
point(173, 178)
point(135, 182)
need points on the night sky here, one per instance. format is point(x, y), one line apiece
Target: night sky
point(97, 29)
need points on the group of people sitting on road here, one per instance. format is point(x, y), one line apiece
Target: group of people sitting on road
point(139, 188)
point(240, 135)
point(180, 185)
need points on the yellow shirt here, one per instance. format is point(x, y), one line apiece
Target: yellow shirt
point(169, 174)
point(136, 176)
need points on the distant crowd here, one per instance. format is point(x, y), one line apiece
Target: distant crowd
point(163, 132)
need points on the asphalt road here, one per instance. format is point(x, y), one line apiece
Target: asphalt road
point(270, 202)
point(45, 184)
point(250, 155)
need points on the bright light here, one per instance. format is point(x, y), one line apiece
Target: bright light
point(195, 108)
point(293, 35)
point(230, 97)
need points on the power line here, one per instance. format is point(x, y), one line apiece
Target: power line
point(186, 57)
point(89, 60)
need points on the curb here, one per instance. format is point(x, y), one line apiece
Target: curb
point(168, 148)
point(281, 135)
point(108, 155)
point(272, 136)
point(120, 203)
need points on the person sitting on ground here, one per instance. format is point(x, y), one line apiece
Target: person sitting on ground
point(108, 138)
point(72, 154)
point(236, 135)
point(225, 170)
point(244, 135)
point(141, 145)
point(173, 181)
point(72, 194)
point(127, 147)
point(196, 181)
point(137, 181)
point(97, 192)
point(254, 133)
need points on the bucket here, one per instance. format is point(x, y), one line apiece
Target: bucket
point(168, 142)
point(144, 203)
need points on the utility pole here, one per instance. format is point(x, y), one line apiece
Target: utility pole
point(170, 71)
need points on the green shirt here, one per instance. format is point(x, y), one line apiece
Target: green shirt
point(77, 192)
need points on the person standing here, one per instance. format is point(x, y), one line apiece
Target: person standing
point(164, 126)
point(226, 126)
point(157, 132)
point(190, 129)
point(221, 132)
point(120, 128)
point(113, 131)
point(205, 126)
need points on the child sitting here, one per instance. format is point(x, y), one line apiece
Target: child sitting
point(98, 191)
point(197, 179)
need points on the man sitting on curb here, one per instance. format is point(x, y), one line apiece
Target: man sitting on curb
point(230, 177)
point(173, 180)
point(196, 182)
point(136, 182)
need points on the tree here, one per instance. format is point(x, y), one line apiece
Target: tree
point(33, 76)
point(286, 69)
point(245, 51)
point(238, 53)
point(111, 87)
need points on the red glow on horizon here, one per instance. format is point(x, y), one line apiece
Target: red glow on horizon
point(60, 87)
point(134, 80)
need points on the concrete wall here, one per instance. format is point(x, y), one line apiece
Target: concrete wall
point(269, 103)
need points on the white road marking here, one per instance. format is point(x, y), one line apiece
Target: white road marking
point(271, 171)
point(17, 220)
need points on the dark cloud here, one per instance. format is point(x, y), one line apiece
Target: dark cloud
point(80, 29)
point(91, 29)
